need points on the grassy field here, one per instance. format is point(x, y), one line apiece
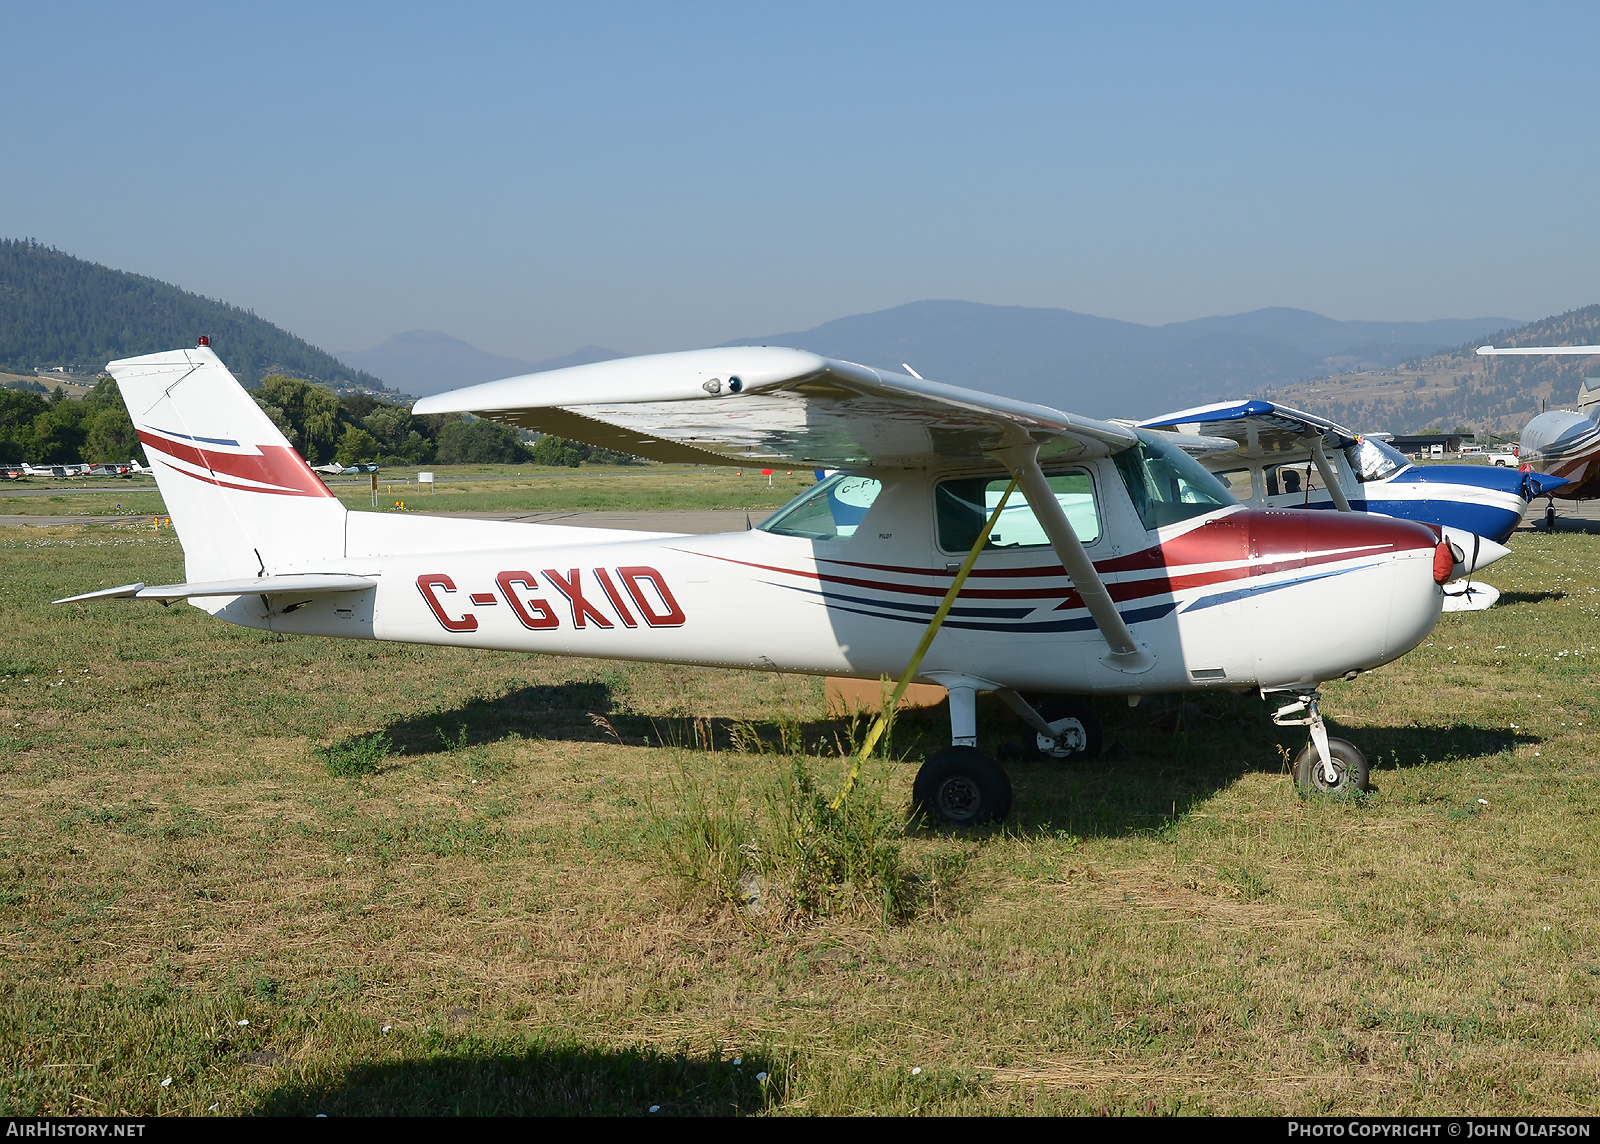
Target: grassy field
point(467, 488)
point(488, 923)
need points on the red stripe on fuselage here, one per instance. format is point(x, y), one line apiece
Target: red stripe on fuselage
point(277, 465)
point(1250, 543)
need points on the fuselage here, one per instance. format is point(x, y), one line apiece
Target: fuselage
point(1231, 598)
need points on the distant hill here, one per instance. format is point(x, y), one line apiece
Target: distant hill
point(1109, 368)
point(1457, 387)
point(425, 362)
point(57, 310)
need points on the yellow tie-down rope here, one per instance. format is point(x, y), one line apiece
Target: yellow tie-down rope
point(853, 776)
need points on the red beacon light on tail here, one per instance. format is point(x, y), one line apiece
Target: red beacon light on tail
point(202, 340)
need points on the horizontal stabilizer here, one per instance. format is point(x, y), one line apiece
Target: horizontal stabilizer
point(257, 585)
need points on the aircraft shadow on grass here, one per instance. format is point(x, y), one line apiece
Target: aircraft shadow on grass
point(537, 1080)
point(1576, 524)
point(1531, 597)
point(1160, 760)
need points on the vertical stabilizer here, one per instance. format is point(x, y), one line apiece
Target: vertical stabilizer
point(1589, 396)
point(243, 501)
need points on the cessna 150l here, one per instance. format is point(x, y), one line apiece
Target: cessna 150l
point(1124, 569)
point(1271, 455)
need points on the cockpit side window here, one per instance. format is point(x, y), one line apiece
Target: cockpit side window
point(831, 510)
point(963, 506)
point(1167, 485)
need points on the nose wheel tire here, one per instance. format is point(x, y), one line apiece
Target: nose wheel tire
point(1349, 765)
point(1550, 518)
point(1078, 733)
point(962, 787)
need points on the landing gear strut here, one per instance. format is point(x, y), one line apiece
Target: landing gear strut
point(961, 786)
point(1325, 765)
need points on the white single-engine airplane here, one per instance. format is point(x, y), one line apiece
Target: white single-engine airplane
point(1124, 569)
point(1271, 455)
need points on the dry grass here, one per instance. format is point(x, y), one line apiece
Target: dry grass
point(1170, 929)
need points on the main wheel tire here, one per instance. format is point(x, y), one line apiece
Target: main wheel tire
point(1349, 765)
point(1550, 518)
point(962, 786)
point(1078, 725)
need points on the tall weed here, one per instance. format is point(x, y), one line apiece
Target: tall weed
point(362, 755)
point(775, 848)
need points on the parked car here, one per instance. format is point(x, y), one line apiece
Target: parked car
point(1508, 460)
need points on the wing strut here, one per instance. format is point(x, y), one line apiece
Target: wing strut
point(1127, 654)
point(1330, 479)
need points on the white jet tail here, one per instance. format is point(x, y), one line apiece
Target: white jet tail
point(243, 501)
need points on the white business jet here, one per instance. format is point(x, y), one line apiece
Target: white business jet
point(1559, 442)
point(1123, 568)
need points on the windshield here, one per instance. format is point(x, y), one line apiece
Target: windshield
point(1166, 484)
point(1373, 460)
point(831, 510)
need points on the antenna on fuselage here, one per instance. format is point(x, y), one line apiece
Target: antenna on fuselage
point(912, 372)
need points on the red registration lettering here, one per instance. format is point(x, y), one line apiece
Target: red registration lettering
point(426, 585)
point(572, 589)
point(615, 597)
point(534, 614)
point(672, 617)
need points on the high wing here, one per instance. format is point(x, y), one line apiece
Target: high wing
point(1257, 428)
point(766, 405)
point(746, 405)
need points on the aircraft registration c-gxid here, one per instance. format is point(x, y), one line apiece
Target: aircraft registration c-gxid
point(1122, 568)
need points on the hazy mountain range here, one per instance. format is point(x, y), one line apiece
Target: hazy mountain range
point(61, 311)
point(1456, 387)
point(1107, 368)
point(1097, 366)
point(57, 310)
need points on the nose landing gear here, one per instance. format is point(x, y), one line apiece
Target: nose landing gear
point(1325, 765)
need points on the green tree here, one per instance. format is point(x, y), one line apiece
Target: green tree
point(18, 409)
point(110, 437)
point(109, 434)
point(314, 413)
point(552, 450)
point(356, 445)
point(478, 443)
point(59, 431)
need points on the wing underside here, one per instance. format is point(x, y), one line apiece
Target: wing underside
point(763, 405)
point(1258, 428)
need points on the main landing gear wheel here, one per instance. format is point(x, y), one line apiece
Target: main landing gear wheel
point(1349, 766)
point(1550, 517)
point(1078, 733)
point(962, 786)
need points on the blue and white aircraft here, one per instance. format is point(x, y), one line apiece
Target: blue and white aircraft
point(1271, 455)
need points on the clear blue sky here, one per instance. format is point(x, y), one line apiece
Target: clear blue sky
point(656, 176)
